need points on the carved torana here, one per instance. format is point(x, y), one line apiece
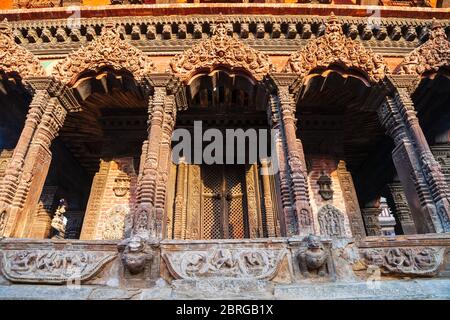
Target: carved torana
point(221, 50)
point(106, 51)
point(15, 59)
point(334, 48)
point(430, 56)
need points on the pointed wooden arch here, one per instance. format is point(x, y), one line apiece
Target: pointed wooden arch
point(430, 56)
point(221, 50)
point(15, 59)
point(106, 51)
point(334, 48)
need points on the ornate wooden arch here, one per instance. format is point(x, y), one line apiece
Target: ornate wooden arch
point(107, 50)
point(221, 50)
point(16, 59)
point(430, 56)
point(335, 48)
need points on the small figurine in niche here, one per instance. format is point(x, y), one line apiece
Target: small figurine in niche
point(59, 221)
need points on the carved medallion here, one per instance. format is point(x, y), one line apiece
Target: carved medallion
point(52, 266)
point(240, 263)
point(335, 48)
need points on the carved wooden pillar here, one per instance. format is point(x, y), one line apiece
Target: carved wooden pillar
point(25, 176)
point(370, 214)
point(397, 202)
point(296, 164)
point(42, 219)
point(150, 212)
point(267, 197)
point(421, 175)
point(180, 202)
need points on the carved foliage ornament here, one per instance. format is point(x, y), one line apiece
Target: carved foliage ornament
point(225, 263)
point(430, 56)
point(52, 266)
point(335, 48)
point(221, 50)
point(410, 261)
point(16, 59)
point(107, 50)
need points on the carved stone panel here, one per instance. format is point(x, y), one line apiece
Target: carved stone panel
point(419, 261)
point(224, 261)
point(331, 221)
point(52, 266)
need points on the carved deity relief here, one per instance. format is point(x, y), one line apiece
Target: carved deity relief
point(331, 221)
point(115, 223)
point(314, 260)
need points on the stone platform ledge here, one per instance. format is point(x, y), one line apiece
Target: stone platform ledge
point(383, 290)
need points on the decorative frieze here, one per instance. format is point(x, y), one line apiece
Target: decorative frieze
point(52, 266)
point(413, 261)
point(225, 263)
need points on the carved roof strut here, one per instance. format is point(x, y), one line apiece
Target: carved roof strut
point(221, 50)
point(107, 50)
point(16, 59)
point(335, 48)
point(430, 56)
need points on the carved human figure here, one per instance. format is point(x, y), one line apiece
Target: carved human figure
point(314, 259)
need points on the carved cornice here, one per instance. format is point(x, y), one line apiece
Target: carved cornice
point(334, 48)
point(430, 56)
point(106, 51)
point(221, 50)
point(16, 59)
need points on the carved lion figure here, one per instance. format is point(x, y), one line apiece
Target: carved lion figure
point(135, 254)
point(314, 258)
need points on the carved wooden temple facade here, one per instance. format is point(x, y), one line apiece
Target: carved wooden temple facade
point(358, 99)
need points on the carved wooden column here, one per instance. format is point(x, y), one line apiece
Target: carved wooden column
point(27, 171)
point(267, 197)
point(150, 212)
point(295, 160)
point(441, 152)
point(42, 219)
point(370, 214)
point(397, 201)
point(421, 175)
point(180, 201)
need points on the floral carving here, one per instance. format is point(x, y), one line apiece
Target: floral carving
point(241, 263)
point(52, 266)
point(221, 50)
point(335, 48)
point(410, 261)
point(430, 56)
point(105, 51)
point(16, 59)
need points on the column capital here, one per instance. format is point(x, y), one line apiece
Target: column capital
point(407, 81)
